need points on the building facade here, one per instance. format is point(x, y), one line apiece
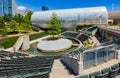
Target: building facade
point(70, 17)
point(45, 8)
point(7, 7)
point(115, 16)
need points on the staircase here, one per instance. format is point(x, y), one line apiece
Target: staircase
point(59, 70)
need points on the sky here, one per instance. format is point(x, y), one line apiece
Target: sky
point(35, 5)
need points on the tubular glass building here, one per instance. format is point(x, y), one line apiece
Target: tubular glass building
point(69, 17)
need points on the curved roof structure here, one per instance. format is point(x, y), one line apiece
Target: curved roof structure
point(92, 15)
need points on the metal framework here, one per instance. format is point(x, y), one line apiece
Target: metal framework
point(70, 17)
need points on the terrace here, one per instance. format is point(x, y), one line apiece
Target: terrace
point(82, 61)
point(92, 62)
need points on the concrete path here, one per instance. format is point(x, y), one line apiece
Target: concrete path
point(118, 76)
point(59, 70)
point(95, 41)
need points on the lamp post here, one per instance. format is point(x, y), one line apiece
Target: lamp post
point(100, 19)
point(74, 24)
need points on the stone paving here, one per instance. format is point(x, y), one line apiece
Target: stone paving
point(59, 70)
point(118, 76)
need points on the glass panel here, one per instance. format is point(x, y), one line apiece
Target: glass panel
point(111, 52)
point(101, 56)
point(94, 15)
point(89, 60)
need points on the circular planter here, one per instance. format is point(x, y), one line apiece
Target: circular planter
point(54, 46)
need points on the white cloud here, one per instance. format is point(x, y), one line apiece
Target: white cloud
point(21, 8)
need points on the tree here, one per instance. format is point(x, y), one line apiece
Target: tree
point(24, 27)
point(7, 17)
point(16, 24)
point(12, 26)
point(28, 17)
point(19, 18)
point(54, 25)
point(24, 22)
point(3, 27)
point(1, 22)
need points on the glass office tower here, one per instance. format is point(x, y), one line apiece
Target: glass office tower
point(7, 7)
point(45, 8)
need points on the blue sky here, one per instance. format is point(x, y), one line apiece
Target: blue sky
point(35, 5)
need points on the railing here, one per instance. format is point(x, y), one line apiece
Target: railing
point(76, 54)
point(98, 56)
point(87, 58)
point(78, 61)
point(110, 29)
point(92, 57)
point(115, 41)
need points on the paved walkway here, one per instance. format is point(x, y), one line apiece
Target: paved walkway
point(14, 35)
point(113, 27)
point(118, 76)
point(95, 41)
point(59, 70)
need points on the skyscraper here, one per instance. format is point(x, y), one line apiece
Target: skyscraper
point(1, 7)
point(45, 8)
point(7, 7)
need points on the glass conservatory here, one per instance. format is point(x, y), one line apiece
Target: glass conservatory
point(70, 17)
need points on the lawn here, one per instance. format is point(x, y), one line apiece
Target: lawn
point(38, 35)
point(9, 42)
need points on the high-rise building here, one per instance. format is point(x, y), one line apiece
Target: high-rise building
point(1, 7)
point(7, 7)
point(45, 8)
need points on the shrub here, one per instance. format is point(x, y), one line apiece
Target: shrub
point(80, 26)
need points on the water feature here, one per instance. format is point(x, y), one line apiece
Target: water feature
point(33, 50)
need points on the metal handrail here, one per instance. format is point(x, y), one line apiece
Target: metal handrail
point(77, 52)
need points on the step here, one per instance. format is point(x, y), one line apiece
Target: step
point(59, 70)
point(58, 73)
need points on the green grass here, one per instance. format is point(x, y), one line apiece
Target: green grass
point(9, 42)
point(74, 41)
point(38, 35)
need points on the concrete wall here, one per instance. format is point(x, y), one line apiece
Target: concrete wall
point(74, 65)
point(115, 16)
point(25, 45)
point(23, 42)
